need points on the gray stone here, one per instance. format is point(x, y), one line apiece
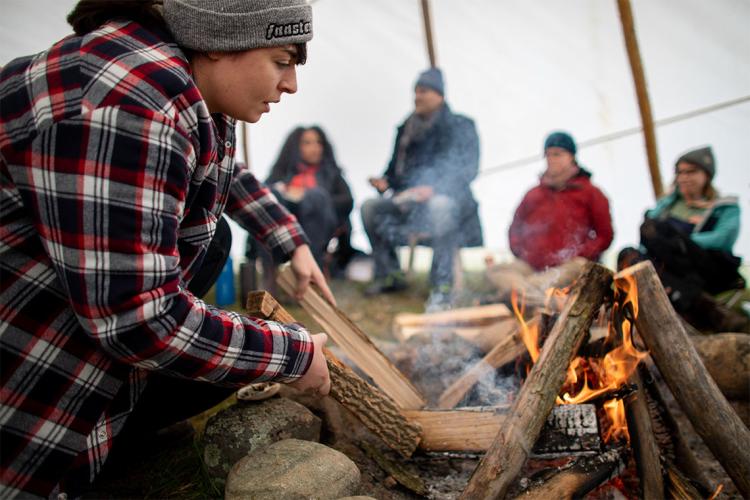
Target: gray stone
point(248, 426)
point(293, 469)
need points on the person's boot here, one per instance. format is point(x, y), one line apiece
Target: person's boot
point(394, 282)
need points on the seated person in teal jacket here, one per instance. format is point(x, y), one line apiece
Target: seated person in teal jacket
point(689, 236)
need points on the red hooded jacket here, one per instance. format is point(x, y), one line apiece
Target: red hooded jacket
point(552, 226)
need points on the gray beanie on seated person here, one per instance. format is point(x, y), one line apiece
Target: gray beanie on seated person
point(236, 25)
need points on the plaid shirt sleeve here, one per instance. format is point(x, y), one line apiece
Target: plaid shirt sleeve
point(107, 193)
point(255, 207)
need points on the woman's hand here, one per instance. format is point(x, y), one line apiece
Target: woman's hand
point(317, 377)
point(306, 271)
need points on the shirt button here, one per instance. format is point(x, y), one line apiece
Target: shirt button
point(101, 434)
point(228, 144)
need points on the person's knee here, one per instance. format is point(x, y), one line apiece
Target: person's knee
point(443, 214)
point(370, 209)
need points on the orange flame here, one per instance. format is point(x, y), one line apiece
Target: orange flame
point(529, 334)
point(614, 369)
point(615, 409)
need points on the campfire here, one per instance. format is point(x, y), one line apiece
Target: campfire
point(588, 412)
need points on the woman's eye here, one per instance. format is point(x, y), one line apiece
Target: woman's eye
point(283, 64)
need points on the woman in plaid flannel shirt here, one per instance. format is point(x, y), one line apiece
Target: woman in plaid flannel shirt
point(116, 162)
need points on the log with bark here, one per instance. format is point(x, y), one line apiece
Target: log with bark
point(643, 442)
point(509, 450)
point(375, 410)
point(357, 346)
point(674, 354)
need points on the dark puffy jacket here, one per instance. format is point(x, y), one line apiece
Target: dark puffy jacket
point(553, 226)
point(447, 159)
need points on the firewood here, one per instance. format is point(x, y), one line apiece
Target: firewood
point(484, 337)
point(357, 346)
point(667, 433)
point(646, 451)
point(727, 359)
point(375, 410)
point(694, 389)
point(467, 316)
point(568, 430)
point(580, 477)
point(504, 352)
point(519, 431)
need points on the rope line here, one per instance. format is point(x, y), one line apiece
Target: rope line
point(619, 134)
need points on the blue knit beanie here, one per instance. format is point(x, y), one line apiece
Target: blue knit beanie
point(432, 79)
point(561, 140)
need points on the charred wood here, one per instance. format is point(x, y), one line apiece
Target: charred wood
point(519, 432)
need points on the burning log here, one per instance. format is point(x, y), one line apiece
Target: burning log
point(647, 457)
point(355, 344)
point(580, 477)
point(674, 354)
point(374, 409)
point(504, 352)
point(568, 430)
point(511, 446)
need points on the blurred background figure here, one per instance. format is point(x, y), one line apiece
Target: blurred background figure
point(559, 225)
point(307, 180)
point(689, 236)
point(428, 193)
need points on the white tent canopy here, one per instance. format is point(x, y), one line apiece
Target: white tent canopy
point(520, 70)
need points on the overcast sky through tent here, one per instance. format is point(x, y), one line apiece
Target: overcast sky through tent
point(520, 70)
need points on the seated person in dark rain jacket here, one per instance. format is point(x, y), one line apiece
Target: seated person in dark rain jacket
point(427, 188)
point(689, 236)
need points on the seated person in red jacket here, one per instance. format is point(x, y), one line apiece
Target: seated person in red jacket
point(559, 224)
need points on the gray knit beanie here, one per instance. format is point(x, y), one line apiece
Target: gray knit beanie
point(235, 25)
point(702, 158)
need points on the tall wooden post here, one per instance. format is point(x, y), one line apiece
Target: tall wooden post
point(428, 32)
point(245, 143)
point(639, 77)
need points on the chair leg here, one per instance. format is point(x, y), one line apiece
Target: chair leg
point(413, 240)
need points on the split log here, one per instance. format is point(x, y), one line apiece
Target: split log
point(580, 477)
point(569, 429)
point(674, 354)
point(646, 451)
point(357, 346)
point(504, 352)
point(463, 429)
point(484, 337)
point(511, 446)
point(374, 409)
point(467, 316)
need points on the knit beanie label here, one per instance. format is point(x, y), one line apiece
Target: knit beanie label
point(237, 25)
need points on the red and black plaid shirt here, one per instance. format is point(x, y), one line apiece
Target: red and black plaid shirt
point(112, 176)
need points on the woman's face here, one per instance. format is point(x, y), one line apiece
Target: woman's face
point(244, 84)
point(311, 147)
point(559, 161)
point(691, 180)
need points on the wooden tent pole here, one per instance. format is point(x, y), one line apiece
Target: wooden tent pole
point(428, 32)
point(245, 143)
point(639, 77)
